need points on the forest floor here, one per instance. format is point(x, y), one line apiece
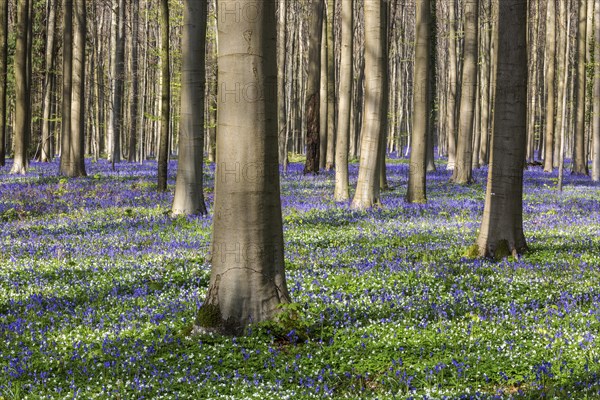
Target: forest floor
point(99, 287)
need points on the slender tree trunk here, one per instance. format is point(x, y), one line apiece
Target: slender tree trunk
point(313, 102)
point(462, 173)
point(501, 232)
point(452, 85)
point(76, 150)
point(374, 114)
point(118, 72)
point(323, 102)
point(46, 146)
point(596, 131)
point(135, 74)
point(163, 151)
point(579, 159)
point(3, 78)
point(484, 89)
point(189, 197)
point(549, 76)
point(22, 96)
point(342, 147)
point(331, 84)
point(422, 105)
point(562, 67)
point(247, 282)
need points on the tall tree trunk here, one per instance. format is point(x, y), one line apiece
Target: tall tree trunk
point(76, 141)
point(484, 89)
point(66, 161)
point(579, 156)
point(323, 102)
point(462, 173)
point(596, 132)
point(47, 151)
point(501, 232)
point(331, 84)
point(118, 72)
point(342, 147)
point(247, 282)
point(189, 197)
point(549, 76)
point(422, 106)
point(22, 103)
point(562, 66)
point(452, 85)
point(163, 151)
point(282, 127)
point(312, 100)
point(3, 78)
point(367, 187)
point(212, 71)
point(135, 74)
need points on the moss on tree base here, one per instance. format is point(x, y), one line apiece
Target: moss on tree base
point(209, 316)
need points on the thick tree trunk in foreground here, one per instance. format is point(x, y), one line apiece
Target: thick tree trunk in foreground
point(501, 232)
point(313, 102)
point(342, 146)
point(422, 107)
point(367, 187)
point(163, 148)
point(22, 126)
point(462, 173)
point(189, 197)
point(247, 281)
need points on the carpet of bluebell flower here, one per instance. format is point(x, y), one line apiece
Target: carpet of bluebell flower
point(99, 287)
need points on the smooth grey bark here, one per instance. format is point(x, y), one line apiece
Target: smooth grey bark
point(562, 69)
point(501, 232)
point(135, 74)
point(189, 196)
point(549, 77)
point(374, 114)
point(421, 105)
point(281, 72)
point(76, 149)
point(579, 145)
point(452, 86)
point(117, 80)
point(342, 147)
point(596, 124)
point(247, 282)
point(165, 116)
point(3, 77)
point(331, 101)
point(67, 85)
point(313, 87)
point(46, 147)
point(462, 173)
point(22, 128)
point(323, 102)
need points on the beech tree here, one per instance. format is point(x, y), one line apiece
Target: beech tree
point(313, 98)
point(3, 77)
point(596, 125)
point(341, 189)
point(501, 230)
point(22, 95)
point(163, 148)
point(117, 75)
point(46, 146)
point(189, 197)
point(368, 185)
point(247, 282)
point(462, 173)
point(579, 145)
point(549, 77)
point(422, 106)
